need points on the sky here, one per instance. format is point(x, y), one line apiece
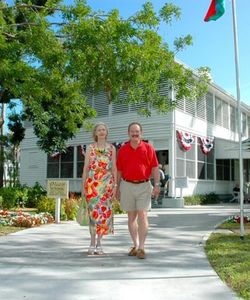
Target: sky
point(213, 42)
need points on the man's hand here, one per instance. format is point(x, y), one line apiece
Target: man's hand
point(156, 191)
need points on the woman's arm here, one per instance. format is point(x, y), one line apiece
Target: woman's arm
point(114, 171)
point(85, 169)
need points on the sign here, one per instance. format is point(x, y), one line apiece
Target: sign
point(181, 182)
point(58, 188)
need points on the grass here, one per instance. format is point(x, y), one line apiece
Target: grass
point(4, 230)
point(230, 257)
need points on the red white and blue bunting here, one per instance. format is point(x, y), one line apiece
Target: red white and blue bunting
point(186, 139)
point(207, 144)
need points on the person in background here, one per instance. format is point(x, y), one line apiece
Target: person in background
point(99, 186)
point(236, 193)
point(162, 175)
point(162, 183)
point(136, 162)
point(167, 177)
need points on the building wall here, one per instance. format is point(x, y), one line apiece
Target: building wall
point(212, 116)
point(33, 163)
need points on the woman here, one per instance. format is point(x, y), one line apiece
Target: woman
point(99, 186)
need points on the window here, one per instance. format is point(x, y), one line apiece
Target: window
point(225, 115)
point(190, 106)
point(248, 126)
point(61, 165)
point(201, 108)
point(101, 104)
point(232, 118)
point(67, 163)
point(120, 106)
point(246, 168)
point(190, 169)
point(53, 166)
point(225, 169)
point(244, 124)
point(210, 107)
point(185, 161)
point(180, 104)
point(218, 111)
point(205, 164)
point(80, 161)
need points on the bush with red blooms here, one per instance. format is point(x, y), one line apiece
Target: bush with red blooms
point(24, 219)
point(236, 219)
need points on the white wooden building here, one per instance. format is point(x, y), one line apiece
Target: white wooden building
point(210, 124)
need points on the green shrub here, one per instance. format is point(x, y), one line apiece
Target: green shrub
point(9, 197)
point(21, 196)
point(1, 202)
point(210, 198)
point(192, 200)
point(46, 204)
point(201, 199)
point(117, 208)
point(70, 207)
point(35, 193)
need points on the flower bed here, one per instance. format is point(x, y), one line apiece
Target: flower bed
point(22, 219)
point(236, 219)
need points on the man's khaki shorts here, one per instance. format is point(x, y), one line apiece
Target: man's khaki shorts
point(135, 196)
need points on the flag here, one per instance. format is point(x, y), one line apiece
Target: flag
point(215, 11)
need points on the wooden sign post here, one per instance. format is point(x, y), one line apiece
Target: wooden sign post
point(58, 189)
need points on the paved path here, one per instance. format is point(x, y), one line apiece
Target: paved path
point(50, 262)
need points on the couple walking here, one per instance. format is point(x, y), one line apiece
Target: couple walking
point(125, 176)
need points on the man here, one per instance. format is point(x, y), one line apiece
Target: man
point(136, 163)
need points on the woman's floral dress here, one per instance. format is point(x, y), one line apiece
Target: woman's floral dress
point(99, 190)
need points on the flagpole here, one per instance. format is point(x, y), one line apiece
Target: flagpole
point(236, 54)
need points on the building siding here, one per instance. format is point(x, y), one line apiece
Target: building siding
point(212, 116)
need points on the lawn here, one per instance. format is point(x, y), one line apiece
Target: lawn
point(229, 255)
point(4, 230)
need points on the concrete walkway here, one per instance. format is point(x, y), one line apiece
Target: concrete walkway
point(50, 262)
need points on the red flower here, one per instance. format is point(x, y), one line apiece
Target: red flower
point(108, 214)
point(238, 219)
point(102, 229)
point(104, 198)
point(95, 214)
point(103, 208)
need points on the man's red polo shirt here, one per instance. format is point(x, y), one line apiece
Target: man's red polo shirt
point(136, 164)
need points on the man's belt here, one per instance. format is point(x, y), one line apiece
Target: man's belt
point(136, 181)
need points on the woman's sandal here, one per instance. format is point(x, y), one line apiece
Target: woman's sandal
point(91, 250)
point(98, 250)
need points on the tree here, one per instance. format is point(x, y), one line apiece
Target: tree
point(10, 147)
point(51, 66)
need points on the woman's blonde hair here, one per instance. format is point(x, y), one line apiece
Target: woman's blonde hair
point(95, 128)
